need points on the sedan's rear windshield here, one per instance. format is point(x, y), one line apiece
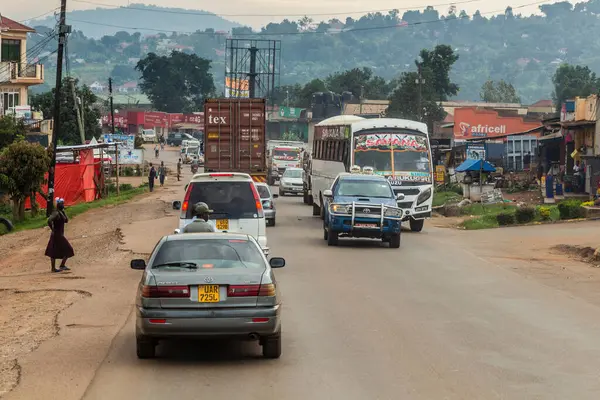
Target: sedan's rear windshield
point(263, 192)
point(210, 253)
point(232, 200)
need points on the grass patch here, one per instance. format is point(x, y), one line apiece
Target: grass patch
point(40, 220)
point(441, 198)
point(489, 219)
point(483, 222)
point(478, 209)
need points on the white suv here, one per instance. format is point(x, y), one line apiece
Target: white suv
point(235, 202)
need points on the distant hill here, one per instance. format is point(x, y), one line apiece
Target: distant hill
point(167, 19)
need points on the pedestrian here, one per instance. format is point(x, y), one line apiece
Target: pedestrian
point(200, 222)
point(156, 151)
point(179, 170)
point(151, 177)
point(58, 246)
point(527, 161)
point(162, 172)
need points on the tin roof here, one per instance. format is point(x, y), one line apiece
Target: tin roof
point(7, 24)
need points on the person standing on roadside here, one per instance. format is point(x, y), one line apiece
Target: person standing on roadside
point(162, 172)
point(151, 177)
point(58, 246)
point(179, 169)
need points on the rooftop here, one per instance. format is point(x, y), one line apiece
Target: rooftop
point(7, 24)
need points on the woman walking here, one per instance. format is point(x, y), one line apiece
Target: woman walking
point(151, 177)
point(58, 245)
point(162, 172)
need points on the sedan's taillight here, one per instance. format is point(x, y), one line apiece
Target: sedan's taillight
point(165, 291)
point(251, 290)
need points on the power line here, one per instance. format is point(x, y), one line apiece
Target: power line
point(41, 15)
point(30, 53)
point(372, 28)
point(163, 11)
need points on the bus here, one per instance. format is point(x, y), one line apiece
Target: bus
point(398, 149)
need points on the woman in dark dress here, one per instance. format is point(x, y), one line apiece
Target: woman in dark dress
point(58, 245)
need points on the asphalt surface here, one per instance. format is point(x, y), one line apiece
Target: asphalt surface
point(431, 320)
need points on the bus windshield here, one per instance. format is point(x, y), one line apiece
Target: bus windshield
point(286, 154)
point(387, 152)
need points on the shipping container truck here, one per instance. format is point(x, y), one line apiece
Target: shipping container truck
point(235, 136)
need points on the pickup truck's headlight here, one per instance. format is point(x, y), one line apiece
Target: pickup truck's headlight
point(340, 208)
point(424, 196)
point(393, 212)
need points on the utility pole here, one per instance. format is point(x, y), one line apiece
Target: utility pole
point(420, 82)
point(362, 94)
point(63, 29)
point(112, 108)
point(79, 117)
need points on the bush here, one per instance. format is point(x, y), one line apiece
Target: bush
point(505, 219)
point(587, 204)
point(127, 171)
point(524, 215)
point(124, 187)
point(544, 213)
point(571, 209)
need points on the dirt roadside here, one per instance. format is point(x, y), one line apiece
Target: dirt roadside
point(70, 319)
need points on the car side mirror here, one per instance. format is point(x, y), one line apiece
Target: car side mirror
point(327, 193)
point(400, 196)
point(186, 186)
point(138, 264)
point(176, 205)
point(275, 195)
point(277, 262)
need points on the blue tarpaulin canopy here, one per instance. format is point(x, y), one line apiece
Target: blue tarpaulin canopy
point(475, 165)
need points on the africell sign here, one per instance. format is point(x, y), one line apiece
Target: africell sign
point(472, 122)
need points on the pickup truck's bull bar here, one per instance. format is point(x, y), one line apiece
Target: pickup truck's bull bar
point(381, 214)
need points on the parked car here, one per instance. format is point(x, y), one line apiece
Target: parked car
point(291, 182)
point(235, 202)
point(208, 285)
point(174, 139)
point(149, 136)
point(268, 202)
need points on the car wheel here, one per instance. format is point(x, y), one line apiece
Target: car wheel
point(271, 347)
point(310, 200)
point(273, 222)
point(322, 210)
point(416, 225)
point(332, 238)
point(316, 210)
point(305, 197)
point(325, 233)
point(281, 193)
point(395, 241)
point(145, 348)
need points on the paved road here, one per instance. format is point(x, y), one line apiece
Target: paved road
point(431, 320)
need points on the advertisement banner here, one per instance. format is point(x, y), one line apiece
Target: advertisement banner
point(120, 121)
point(440, 174)
point(127, 141)
point(290, 112)
point(155, 119)
point(237, 88)
point(470, 122)
point(476, 152)
point(131, 156)
point(387, 141)
point(194, 118)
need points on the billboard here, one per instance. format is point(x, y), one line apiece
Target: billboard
point(127, 141)
point(470, 122)
point(131, 156)
point(237, 88)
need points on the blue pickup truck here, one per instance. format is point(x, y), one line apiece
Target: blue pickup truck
point(362, 206)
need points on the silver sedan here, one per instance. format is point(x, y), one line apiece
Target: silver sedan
point(267, 197)
point(208, 285)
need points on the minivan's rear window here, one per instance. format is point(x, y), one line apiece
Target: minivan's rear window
point(232, 200)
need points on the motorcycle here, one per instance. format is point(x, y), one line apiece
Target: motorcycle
point(194, 169)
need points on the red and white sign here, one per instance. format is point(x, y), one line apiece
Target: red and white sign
point(470, 122)
point(120, 121)
point(194, 118)
point(156, 119)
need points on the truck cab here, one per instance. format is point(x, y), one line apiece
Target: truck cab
point(362, 205)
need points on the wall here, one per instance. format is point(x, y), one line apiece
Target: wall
point(470, 122)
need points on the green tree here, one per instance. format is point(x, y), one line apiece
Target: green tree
point(499, 92)
point(124, 73)
point(359, 81)
point(22, 167)
point(176, 83)
point(573, 80)
point(69, 127)
point(439, 62)
point(11, 129)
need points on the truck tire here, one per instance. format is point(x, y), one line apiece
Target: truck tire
point(316, 210)
point(7, 224)
point(310, 199)
point(395, 241)
point(305, 196)
point(322, 210)
point(332, 238)
point(416, 225)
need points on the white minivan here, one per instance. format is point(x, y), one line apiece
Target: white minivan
point(234, 199)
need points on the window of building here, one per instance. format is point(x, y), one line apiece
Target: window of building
point(10, 99)
point(11, 50)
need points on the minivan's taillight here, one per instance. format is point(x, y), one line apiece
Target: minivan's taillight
point(251, 290)
point(186, 201)
point(165, 291)
point(259, 207)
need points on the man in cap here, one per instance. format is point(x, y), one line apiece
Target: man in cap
point(200, 223)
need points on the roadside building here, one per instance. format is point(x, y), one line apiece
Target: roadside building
point(17, 71)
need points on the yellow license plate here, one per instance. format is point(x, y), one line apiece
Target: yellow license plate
point(223, 224)
point(209, 294)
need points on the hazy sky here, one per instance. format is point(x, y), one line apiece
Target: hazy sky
point(276, 9)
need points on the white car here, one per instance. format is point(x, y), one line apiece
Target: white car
point(149, 136)
point(235, 202)
point(291, 182)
